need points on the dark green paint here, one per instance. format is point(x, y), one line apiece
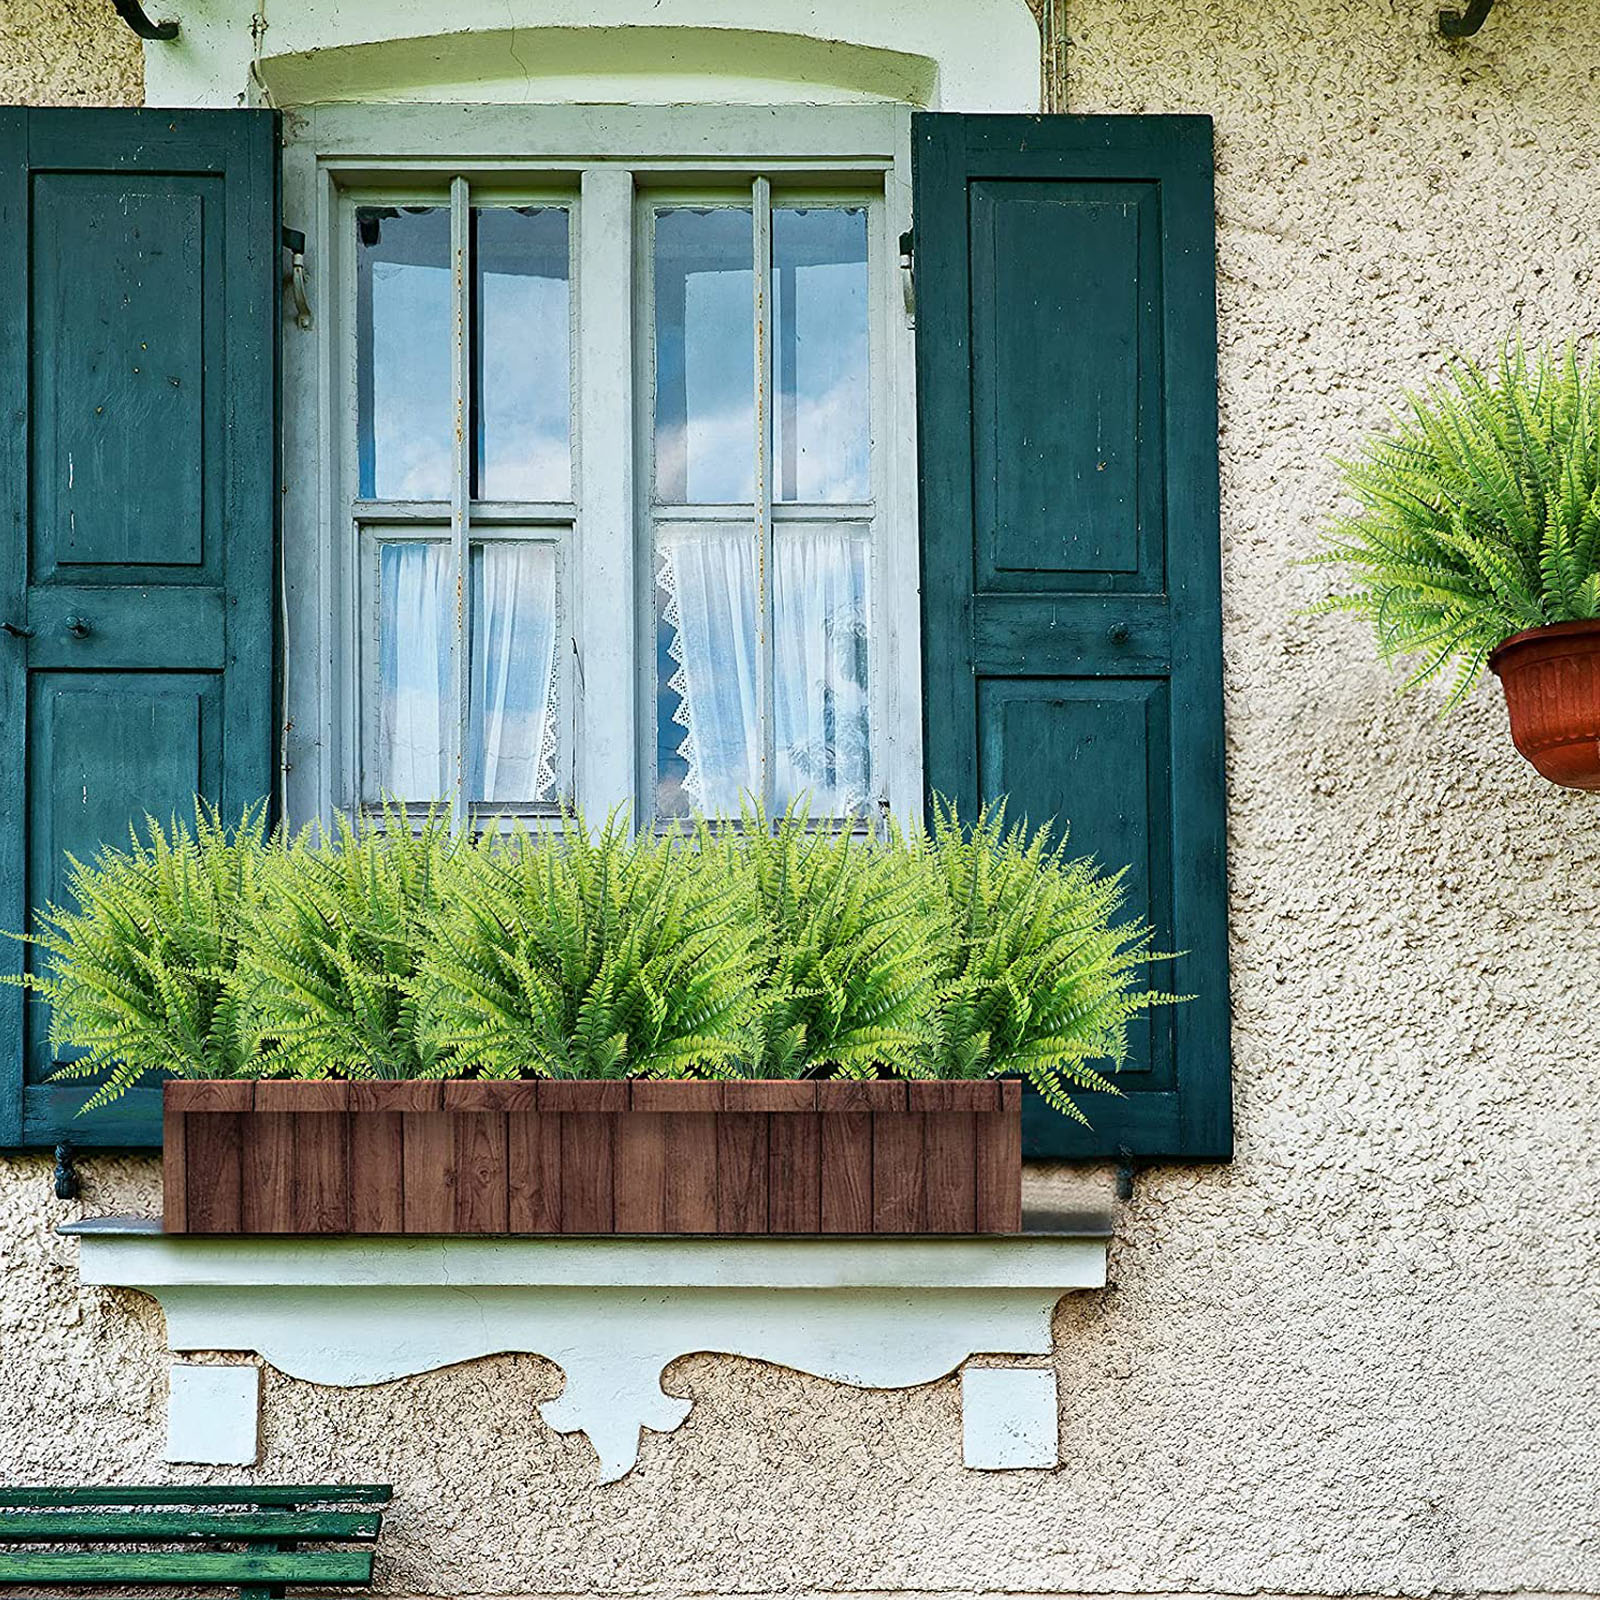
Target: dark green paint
point(1066, 366)
point(188, 1566)
point(130, 1527)
point(138, 346)
point(207, 1494)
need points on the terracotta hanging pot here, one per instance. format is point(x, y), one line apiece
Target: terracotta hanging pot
point(1551, 677)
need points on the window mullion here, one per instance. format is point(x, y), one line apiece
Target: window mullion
point(761, 209)
point(609, 552)
point(460, 493)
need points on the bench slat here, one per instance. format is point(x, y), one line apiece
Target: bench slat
point(188, 1566)
point(130, 1527)
point(271, 1494)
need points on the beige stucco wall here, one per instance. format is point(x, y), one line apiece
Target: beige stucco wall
point(67, 52)
point(1363, 1359)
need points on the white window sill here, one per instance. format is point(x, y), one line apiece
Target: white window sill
point(614, 1312)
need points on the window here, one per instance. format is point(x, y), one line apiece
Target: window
point(614, 517)
point(761, 504)
point(463, 513)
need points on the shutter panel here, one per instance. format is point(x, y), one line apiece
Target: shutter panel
point(138, 506)
point(1066, 367)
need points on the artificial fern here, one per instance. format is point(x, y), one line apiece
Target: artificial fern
point(139, 975)
point(1478, 513)
point(574, 955)
point(782, 949)
point(326, 962)
point(1043, 978)
point(855, 935)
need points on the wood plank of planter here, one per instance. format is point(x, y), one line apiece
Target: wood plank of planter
point(950, 1169)
point(965, 1094)
point(300, 1134)
point(845, 1110)
point(533, 1161)
point(1000, 1163)
point(743, 1171)
point(794, 1172)
point(530, 1164)
point(588, 1115)
point(640, 1184)
point(427, 1152)
point(692, 1172)
point(377, 1151)
point(212, 1115)
point(899, 1172)
point(676, 1160)
point(769, 1094)
point(479, 1151)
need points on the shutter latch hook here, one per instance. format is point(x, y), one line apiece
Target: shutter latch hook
point(294, 280)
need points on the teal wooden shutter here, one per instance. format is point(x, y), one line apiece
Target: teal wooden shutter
point(138, 249)
point(1072, 655)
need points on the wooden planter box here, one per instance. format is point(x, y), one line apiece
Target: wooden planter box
point(755, 1157)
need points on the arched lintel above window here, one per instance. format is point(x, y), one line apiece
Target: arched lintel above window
point(967, 55)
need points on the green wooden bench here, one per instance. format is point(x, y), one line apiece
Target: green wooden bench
point(259, 1540)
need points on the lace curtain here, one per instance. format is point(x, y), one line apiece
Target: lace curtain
point(820, 676)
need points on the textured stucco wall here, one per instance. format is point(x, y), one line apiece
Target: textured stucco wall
point(67, 52)
point(1363, 1359)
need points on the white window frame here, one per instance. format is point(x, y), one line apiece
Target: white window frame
point(366, 524)
point(610, 156)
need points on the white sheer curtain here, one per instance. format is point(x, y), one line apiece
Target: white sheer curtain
point(414, 669)
point(709, 576)
point(512, 737)
point(512, 732)
point(819, 684)
point(820, 692)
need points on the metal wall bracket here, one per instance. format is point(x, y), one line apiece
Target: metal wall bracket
point(133, 14)
point(66, 1174)
point(1126, 1170)
point(1463, 24)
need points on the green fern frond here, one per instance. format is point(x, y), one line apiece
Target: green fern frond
point(1478, 513)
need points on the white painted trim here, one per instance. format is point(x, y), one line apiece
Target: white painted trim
point(607, 569)
point(213, 1414)
point(1008, 1418)
point(612, 1313)
point(955, 55)
point(339, 155)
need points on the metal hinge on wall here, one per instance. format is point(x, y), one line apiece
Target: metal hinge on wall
point(908, 270)
point(294, 280)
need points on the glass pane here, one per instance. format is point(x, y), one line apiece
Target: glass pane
point(820, 685)
point(705, 356)
point(821, 425)
point(414, 631)
point(403, 388)
point(707, 739)
point(523, 364)
point(512, 735)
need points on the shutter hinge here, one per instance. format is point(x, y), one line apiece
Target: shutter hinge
point(294, 280)
point(908, 270)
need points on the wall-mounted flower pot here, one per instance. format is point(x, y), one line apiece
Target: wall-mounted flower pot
point(630, 1156)
point(1551, 677)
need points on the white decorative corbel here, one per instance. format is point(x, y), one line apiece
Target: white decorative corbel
point(611, 1313)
